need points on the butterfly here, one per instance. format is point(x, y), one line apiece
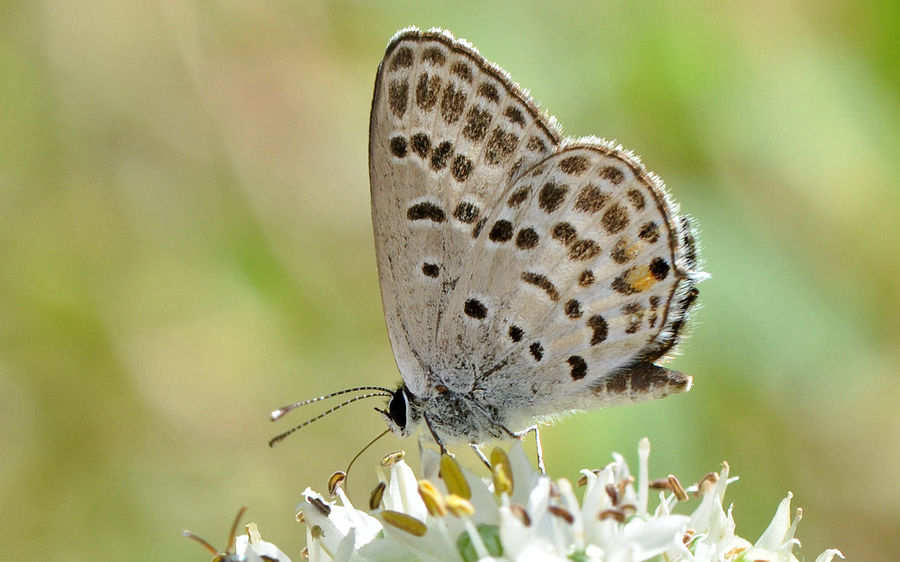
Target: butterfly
point(523, 274)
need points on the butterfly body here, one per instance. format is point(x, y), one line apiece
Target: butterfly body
point(522, 274)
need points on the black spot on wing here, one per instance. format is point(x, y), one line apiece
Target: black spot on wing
point(527, 238)
point(542, 282)
point(466, 212)
point(552, 196)
point(659, 268)
point(573, 309)
point(474, 308)
point(601, 329)
point(421, 144)
point(578, 367)
point(398, 146)
point(440, 156)
point(564, 232)
point(502, 231)
point(426, 211)
point(402, 59)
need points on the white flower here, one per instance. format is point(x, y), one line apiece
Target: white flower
point(251, 548)
point(449, 513)
point(248, 548)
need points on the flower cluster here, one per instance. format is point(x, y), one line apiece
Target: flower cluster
point(247, 548)
point(448, 513)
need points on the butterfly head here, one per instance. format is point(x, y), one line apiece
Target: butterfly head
point(403, 412)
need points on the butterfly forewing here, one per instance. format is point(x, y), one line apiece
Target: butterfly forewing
point(448, 129)
point(524, 271)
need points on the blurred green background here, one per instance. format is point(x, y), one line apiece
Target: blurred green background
point(186, 244)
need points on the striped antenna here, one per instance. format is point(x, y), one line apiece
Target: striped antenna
point(276, 414)
point(279, 437)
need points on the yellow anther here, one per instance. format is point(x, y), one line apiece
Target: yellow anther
point(433, 499)
point(392, 458)
point(501, 470)
point(404, 522)
point(454, 478)
point(459, 506)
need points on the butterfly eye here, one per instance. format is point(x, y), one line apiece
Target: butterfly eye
point(397, 408)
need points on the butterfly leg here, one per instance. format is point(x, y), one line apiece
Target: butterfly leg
point(537, 444)
point(481, 455)
point(435, 435)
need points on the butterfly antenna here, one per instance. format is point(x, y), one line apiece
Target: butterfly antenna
point(281, 436)
point(276, 414)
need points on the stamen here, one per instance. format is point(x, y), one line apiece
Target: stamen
point(336, 479)
point(614, 513)
point(501, 470)
point(404, 522)
point(660, 484)
point(613, 493)
point(562, 513)
point(521, 514)
point(392, 458)
point(434, 501)
point(707, 483)
point(323, 507)
point(459, 506)
point(231, 536)
point(376, 495)
point(677, 489)
point(643, 475)
point(454, 478)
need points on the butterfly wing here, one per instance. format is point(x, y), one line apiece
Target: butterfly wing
point(448, 130)
point(535, 275)
point(585, 273)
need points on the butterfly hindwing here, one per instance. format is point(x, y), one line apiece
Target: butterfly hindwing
point(581, 269)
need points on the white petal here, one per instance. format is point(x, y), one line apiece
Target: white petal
point(366, 526)
point(775, 534)
point(642, 541)
point(334, 526)
point(346, 547)
point(483, 499)
point(514, 535)
point(403, 492)
point(523, 474)
point(538, 499)
point(539, 550)
point(254, 552)
point(829, 554)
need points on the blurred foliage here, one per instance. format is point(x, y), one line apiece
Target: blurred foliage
point(186, 244)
